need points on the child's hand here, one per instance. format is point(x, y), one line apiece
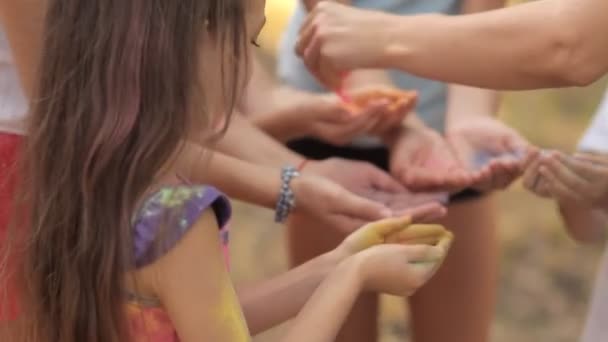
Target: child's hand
point(395, 257)
point(394, 231)
point(398, 270)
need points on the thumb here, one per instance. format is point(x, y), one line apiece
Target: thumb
point(423, 254)
point(387, 227)
point(383, 181)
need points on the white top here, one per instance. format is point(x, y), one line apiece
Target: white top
point(13, 105)
point(596, 329)
point(596, 137)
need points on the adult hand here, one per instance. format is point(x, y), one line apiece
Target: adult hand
point(350, 194)
point(373, 110)
point(328, 119)
point(532, 179)
point(423, 161)
point(492, 151)
point(336, 38)
point(581, 178)
point(398, 105)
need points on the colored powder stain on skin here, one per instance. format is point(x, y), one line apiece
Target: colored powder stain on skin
point(344, 97)
point(229, 314)
point(483, 158)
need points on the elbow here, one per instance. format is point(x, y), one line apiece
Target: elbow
point(572, 61)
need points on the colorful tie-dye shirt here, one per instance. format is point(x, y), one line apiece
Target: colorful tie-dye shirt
point(162, 221)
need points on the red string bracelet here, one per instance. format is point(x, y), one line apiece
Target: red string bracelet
point(302, 165)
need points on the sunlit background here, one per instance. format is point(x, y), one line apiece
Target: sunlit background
point(545, 277)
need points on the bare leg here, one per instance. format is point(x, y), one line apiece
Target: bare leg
point(458, 304)
point(307, 240)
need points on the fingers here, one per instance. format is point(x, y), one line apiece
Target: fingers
point(423, 254)
point(306, 33)
point(361, 208)
point(504, 172)
point(531, 175)
point(386, 227)
point(429, 212)
point(446, 240)
point(599, 159)
point(557, 188)
point(561, 168)
point(311, 55)
point(416, 231)
point(383, 181)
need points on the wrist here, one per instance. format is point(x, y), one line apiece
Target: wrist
point(350, 270)
point(286, 201)
point(400, 44)
point(455, 121)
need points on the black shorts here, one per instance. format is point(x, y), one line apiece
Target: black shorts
point(379, 156)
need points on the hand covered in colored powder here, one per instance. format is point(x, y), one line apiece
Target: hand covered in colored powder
point(395, 231)
point(396, 105)
point(395, 257)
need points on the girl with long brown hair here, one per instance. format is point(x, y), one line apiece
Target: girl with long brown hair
point(119, 245)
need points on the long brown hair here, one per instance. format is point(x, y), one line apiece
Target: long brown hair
point(118, 92)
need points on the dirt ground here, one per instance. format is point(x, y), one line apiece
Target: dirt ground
point(545, 278)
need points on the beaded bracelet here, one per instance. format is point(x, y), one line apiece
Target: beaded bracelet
point(287, 200)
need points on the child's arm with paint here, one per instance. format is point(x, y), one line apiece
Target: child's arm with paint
point(195, 288)
point(290, 291)
point(383, 266)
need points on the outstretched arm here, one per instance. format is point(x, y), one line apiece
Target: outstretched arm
point(545, 43)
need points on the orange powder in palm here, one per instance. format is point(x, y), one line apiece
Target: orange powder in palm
point(394, 97)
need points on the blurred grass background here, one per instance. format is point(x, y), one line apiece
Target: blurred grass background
point(545, 278)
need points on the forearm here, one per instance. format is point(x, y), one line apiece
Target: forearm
point(362, 79)
point(245, 141)
point(238, 179)
point(23, 23)
point(323, 315)
point(520, 47)
point(279, 126)
point(466, 103)
point(288, 292)
point(275, 108)
point(583, 223)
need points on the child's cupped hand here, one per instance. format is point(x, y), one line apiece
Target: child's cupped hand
point(581, 178)
point(398, 231)
point(394, 256)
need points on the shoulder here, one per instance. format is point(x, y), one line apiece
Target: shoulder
point(168, 214)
